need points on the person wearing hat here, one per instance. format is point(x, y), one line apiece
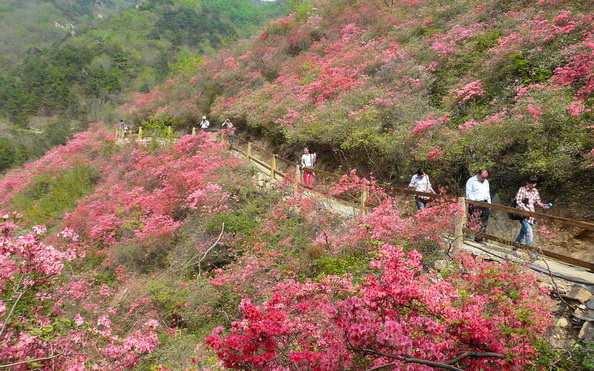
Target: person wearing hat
point(204, 124)
point(528, 199)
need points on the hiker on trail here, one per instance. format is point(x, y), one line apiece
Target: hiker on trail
point(308, 161)
point(204, 124)
point(121, 125)
point(477, 189)
point(420, 182)
point(230, 131)
point(528, 199)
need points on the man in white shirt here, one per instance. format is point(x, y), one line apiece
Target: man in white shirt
point(420, 182)
point(204, 124)
point(477, 189)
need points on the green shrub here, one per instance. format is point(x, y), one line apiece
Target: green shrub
point(349, 262)
point(142, 257)
point(159, 127)
point(51, 195)
point(239, 223)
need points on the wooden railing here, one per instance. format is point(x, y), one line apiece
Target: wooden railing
point(257, 155)
point(278, 168)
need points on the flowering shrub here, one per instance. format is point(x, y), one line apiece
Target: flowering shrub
point(474, 315)
point(329, 75)
point(182, 234)
point(34, 332)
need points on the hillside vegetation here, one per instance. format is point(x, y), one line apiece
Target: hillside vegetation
point(390, 86)
point(56, 81)
point(172, 255)
point(171, 258)
point(26, 24)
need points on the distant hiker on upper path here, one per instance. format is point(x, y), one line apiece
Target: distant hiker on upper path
point(123, 128)
point(477, 189)
point(204, 124)
point(230, 131)
point(420, 182)
point(308, 161)
point(527, 199)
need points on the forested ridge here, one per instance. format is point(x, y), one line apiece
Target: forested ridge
point(174, 254)
point(68, 63)
point(388, 87)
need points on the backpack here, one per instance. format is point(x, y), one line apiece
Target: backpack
point(514, 204)
point(514, 216)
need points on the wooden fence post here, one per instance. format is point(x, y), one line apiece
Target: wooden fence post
point(297, 174)
point(364, 197)
point(249, 151)
point(194, 131)
point(273, 168)
point(140, 133)
point(459, 229)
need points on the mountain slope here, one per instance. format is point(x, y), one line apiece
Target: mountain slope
point(59, 84)
point(449, 86)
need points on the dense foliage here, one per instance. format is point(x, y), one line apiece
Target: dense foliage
point(388, 87)
point(80, 74)
point(41, 23)
point(151, 252)
point(116, 254)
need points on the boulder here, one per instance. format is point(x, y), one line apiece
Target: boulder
point(578, 294)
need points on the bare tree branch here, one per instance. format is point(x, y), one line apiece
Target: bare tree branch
point(32, 360)
point(444, 365)
point(210, 248)
point(6, 320)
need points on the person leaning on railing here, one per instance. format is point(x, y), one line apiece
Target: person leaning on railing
point(528, 199)
point(477, 189)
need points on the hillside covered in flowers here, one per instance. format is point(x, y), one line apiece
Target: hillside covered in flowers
point(119, 255)
point(390, 86)
point(124, 254)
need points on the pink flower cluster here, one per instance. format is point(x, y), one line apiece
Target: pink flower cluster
point(473, 89)
point(399, 314)
point(430, 122)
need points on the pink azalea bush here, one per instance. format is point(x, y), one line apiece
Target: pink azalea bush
point(399, 315)
point(360, 77)
point(34, 330)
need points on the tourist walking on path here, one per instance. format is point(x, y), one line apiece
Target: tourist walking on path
point(122, 127)
point(204, 124)
point(308, 161)
point(528, 199)
point(477, 189)
point(227, 125)
point(420, 182)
